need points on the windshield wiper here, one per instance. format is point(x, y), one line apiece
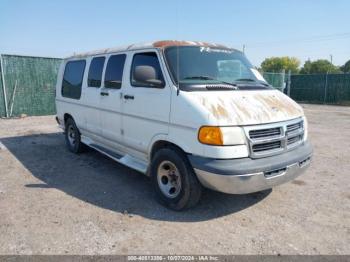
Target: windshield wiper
point(245, 80)
point(251, 80)
point(199, 77)
point(210, 78)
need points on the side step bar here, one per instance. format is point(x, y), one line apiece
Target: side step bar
point(127, 160)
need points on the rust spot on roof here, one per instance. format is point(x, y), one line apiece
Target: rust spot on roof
point(158, 44)
point(168, 43)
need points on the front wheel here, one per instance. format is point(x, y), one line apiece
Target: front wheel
point(174, 180)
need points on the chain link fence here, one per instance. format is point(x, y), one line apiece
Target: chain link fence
point(321, 88)
point(27, 85)
point(313, 88)
point(277, 80)
point(2, 99)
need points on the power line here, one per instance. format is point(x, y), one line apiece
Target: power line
point(303, 40)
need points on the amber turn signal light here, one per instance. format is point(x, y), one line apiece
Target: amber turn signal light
point(210, 135)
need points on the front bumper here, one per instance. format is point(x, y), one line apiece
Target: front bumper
point(246, 175)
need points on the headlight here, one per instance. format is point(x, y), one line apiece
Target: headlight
point(305, 128)
point(221, 136)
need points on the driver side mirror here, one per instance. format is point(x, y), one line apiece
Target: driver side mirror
point(145, 75)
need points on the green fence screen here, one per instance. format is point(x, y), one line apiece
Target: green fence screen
point(277, 80)
point(30, 85)
point(321, 88)
point(2, 100)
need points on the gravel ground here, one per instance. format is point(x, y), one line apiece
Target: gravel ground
point(55, 202)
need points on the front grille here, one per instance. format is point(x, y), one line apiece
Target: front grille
point(294, 128)
point(270, 139)
point(293, 140)
point(267, 146)
point(264, 133)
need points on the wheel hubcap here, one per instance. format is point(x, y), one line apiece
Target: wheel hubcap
point(169, 179)
point(71, 135)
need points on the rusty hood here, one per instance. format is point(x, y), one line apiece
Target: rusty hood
point(247, 107)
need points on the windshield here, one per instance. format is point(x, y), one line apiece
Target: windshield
point(199, 66)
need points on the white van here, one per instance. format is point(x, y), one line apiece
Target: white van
point(187, 114)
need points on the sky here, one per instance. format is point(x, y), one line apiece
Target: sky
point(307, 29)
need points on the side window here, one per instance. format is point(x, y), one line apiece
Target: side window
point(146, 71)
point(114, 71)
point(73, 79)
point(95, 72)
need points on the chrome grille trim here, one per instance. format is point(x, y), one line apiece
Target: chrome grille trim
point(271, 139)
point(267, 146)
point(263, 133)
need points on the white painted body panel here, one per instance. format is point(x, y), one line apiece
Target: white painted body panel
point(90, 97)
point(145, 116)
point(226, 108)
point(132, 127)
point(244, 107)
point(110, 108)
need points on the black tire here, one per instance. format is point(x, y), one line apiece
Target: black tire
point(191, 189)
point(71, 129)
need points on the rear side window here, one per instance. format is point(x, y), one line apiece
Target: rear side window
point(114, 71)
point(95, 71)
point(73, 79)
point(146, 71)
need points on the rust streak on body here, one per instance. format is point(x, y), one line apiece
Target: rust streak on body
point(284, 106)
point(219, 111)
point(244, 110)
point(222, 112)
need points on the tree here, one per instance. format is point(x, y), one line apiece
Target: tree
point(320, 66)
point(306, 69)
point(277, 64)
point(346, 67)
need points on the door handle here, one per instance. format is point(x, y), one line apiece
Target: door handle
point(128, 97)
point(104, 94)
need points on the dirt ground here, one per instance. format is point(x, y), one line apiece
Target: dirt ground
point(55, 202)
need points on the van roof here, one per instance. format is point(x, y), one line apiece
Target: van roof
point(157, 44)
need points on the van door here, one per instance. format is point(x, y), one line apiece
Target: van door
point(146, 102)
point(92, 98)
point(110, 102)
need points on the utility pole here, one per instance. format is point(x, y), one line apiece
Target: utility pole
point(331, 56)
point(243, 49)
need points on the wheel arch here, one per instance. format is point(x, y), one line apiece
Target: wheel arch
point(160, 142)
point(66, 116)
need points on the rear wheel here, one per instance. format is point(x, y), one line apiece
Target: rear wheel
point(73, 138)
point(174, 180)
